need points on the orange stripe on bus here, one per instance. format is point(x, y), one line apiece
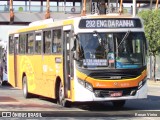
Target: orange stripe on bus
point(123, 83)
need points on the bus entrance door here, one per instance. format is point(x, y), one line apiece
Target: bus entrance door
point(16, 39)
point(67, 64)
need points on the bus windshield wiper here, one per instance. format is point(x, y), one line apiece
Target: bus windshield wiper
point(124, 38)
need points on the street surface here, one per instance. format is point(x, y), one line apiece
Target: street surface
point(12, 100)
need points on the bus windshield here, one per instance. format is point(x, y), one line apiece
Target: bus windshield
point(110, 50)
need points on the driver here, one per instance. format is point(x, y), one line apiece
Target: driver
point(90, 47)
point(92, 43)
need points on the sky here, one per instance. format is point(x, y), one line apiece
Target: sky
point(5, 29)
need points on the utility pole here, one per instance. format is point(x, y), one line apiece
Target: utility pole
point(151, 1)
point(83, 13)
point(121, 7)
point(47, 15)
point(134, 8)
point(157, 1)
point(11, 11)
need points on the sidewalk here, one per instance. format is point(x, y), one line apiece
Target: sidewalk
point(152, 82)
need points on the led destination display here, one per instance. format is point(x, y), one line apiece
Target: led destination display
point(110, 23)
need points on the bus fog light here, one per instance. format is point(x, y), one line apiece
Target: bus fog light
point(97, 93)
point(133, 92)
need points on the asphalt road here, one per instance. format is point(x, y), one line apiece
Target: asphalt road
point(12, 101)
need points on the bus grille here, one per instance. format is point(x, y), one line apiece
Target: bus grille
point(106, 92)
point(113, 75)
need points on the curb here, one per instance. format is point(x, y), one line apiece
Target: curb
point(152, 82)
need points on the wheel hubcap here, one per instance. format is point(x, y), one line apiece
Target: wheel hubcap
point(61, 94)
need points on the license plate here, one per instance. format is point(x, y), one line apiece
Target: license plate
point(115, 93)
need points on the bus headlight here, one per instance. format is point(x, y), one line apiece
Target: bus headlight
point(89, 86)
point(85, 84)
point(141, 83)
point(81, 82)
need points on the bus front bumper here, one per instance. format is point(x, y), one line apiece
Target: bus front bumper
point(84, 95)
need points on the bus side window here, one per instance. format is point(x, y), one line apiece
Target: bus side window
point(38, 43)
point(30, 43)
point(11, 45)
point(16, 39)
point(22, 44)
point(47, 42)
point(56, 41)
point(54, 47)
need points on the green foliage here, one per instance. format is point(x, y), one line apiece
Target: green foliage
point(151, 22)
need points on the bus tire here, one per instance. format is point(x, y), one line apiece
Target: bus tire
point(118, 103)
point(26, 94)
point(61, 98)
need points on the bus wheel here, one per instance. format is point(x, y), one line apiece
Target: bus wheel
point(118, 103)
point(61, 98)
point(25, 88)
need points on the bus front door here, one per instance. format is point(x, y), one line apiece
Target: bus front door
point(68, 64)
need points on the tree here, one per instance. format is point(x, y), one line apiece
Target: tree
point(151, 22)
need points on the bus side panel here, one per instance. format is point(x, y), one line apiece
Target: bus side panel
point(23, 65)
point(47, 78)
point(51, 70)
point(28, 65)
point(58, 67)
point(18, 73)
point(34, 74)
point(11, 76)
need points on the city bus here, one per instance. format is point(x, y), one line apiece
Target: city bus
point(92, 58)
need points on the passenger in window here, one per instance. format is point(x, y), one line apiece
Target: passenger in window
point(54, 48)
point(59, 47)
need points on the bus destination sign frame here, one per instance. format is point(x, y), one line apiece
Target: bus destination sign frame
point(110, 23)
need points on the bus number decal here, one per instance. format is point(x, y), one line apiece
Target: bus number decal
point(90, 23)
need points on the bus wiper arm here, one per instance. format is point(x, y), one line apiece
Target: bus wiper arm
point(124, 38)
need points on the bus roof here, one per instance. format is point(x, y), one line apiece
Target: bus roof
point(48, 23)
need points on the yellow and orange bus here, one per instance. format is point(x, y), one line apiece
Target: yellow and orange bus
point(91, 58)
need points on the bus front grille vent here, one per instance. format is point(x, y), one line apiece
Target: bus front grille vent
point(107, 92)
point(113, 76)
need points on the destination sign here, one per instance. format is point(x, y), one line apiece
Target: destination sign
point(95, 62)
point(110, 23)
